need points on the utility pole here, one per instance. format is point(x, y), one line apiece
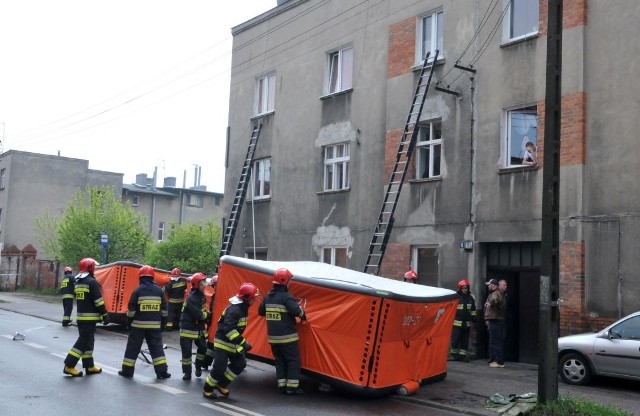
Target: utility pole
point(550, 267)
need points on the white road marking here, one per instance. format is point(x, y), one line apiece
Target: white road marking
point(221, 409)
point(8, 337)
point(164, 388)
point(34, 345)
point(239, 409)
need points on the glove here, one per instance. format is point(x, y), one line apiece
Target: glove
point(303, 317)
point(105, 319)
point(247, 346)
point(163, 325)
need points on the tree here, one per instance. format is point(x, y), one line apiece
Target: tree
point(190, 247)
point(89, 215)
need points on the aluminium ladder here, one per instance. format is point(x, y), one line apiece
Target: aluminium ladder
point(383, 228)
point(241, 192)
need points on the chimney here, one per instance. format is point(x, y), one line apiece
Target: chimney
point(141, 179)
point(170, 182)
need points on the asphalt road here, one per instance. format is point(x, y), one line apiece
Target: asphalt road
point(465, 390)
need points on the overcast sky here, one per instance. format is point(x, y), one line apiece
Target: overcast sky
point(129, 85)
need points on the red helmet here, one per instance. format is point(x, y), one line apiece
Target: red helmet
point(411, 275)
point(282, 277)
point(146, 271)
point(175, 272)
point(248, 292)
point(87, 265)
point(463, 282)
point(196, 279)
point(68, 270)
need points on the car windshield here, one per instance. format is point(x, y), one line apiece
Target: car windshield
point(628, 329)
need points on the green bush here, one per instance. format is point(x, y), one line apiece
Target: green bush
point(568, 406)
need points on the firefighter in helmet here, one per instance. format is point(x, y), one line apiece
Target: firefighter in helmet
point(281, 310)
point(465, 316)
point(66, 290)
point(90, 310)
point(175, 291)
point(411, 276)
point(146, 318)
point(229, 346)
point(208, 359)
point(193, 326)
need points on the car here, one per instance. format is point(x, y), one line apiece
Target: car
point(612, 352)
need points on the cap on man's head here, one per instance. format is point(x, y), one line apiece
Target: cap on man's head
point(492, 282)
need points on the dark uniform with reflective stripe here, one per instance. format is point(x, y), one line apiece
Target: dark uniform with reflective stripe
point(66, 290)
point(280, 309)
point(147, 315)
point(465, 316)
point(228, 347)
point(192, 329)
point(90, 310)
point(175, 290)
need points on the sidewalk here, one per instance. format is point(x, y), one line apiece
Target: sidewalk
point(465, 390)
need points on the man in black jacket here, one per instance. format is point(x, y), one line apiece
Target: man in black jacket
point(229, 346)
point(66, 290)
point(281, 309)
point(146, 318)
point(192, 326)
point(90, 311)
point(175, 291)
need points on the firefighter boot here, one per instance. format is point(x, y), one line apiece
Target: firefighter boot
point(123, 374)
point(209, 394)
point(72, 371)
point(94, 370)
point(187, 376)
point(294, 391)
point(198, 370)
point(163, 375)
point(222, 390)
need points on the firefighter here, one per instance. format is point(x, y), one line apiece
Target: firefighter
point(66, 290)
point(192, 326)
point(146, 318)
point(208, 359)
point(411, 276)
point(175, 291)
point(229, 346)
point(90, 310)
point(280, 309)
point(465, 316)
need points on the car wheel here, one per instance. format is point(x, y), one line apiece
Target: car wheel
point(574, 369)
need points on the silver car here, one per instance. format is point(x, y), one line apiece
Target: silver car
point(612, 352)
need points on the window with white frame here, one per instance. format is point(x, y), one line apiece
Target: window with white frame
point(135, 200)
point(261, 178)
point(521, 136)
point(336, 256)
point(2, 178)
point(430, 36)
point(521, 19)
point(195, 200)
point(161, 231)
point(336, 167)
point(429, 150)
point(265, 94)
point(339, 70)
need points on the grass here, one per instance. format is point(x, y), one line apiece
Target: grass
point(50, 295)
point(568, 406)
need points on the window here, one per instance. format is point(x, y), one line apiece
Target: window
point(194, 200)
point(161, 231)
point(522, 136)
point(430, 35)
point(265, 94)
point(261, 179)
point(521, 19)
point(340, 71)
point(429, 147)
point(257, 254)
point(2, 178)
point(425, 263)
point(336, 167)
point(336, 256)
point(135, 200)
